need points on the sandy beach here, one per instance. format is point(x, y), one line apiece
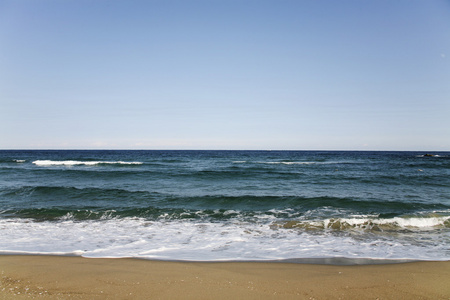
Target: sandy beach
point(53, 277)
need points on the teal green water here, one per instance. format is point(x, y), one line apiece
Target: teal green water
point(170, 204)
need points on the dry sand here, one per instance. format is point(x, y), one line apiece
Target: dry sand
point(49, 277)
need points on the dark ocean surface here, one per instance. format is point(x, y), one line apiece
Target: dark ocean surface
point(226, 205)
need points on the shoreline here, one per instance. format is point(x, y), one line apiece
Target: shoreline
point(336, 261)
point(73, 277)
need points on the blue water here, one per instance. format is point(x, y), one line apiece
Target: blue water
point(226, 205)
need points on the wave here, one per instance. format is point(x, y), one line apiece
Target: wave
point(433, 155)
point(288, 162)
point(369, 224)
point(194, 240)
point(275, 219)
point(8, 161)
point(301, 162)
point(87, 163)
point(319, 220)
point(356, 226)
point(80, 197)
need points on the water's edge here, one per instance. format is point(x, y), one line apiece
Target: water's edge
point(334, 261)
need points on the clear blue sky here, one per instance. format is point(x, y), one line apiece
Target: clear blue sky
point(225, 74)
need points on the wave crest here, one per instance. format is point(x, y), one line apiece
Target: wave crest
point(77, 162)
point(344, 224)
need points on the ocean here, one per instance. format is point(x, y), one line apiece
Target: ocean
point(226, 205)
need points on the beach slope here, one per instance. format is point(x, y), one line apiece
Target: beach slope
point(53, 277)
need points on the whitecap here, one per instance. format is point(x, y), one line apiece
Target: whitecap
point(288, 162)
point(76, 162)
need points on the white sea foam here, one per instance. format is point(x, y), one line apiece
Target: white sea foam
point(206, 241)
point(288, 162)
point(408, 223)
point(19, 160)
point(419, 222)
point(305, 162)
point(76, 162)
point(397, 223)
point(295, 162)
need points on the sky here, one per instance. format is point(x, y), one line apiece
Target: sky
point(225, 74)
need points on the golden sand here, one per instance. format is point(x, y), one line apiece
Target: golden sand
point(52, 277)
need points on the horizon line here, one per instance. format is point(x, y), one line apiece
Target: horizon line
point(266, 150)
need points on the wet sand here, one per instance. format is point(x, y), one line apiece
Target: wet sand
point(53, 277)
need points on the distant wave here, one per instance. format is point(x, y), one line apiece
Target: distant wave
point(289, 162)
point(8, 161)
point(275, 162)
point(432, 155)
point(87, 163)
point(305, 162)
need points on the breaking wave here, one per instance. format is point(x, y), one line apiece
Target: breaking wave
point(87, 163)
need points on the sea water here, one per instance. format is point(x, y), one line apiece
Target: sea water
point(226, 205)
